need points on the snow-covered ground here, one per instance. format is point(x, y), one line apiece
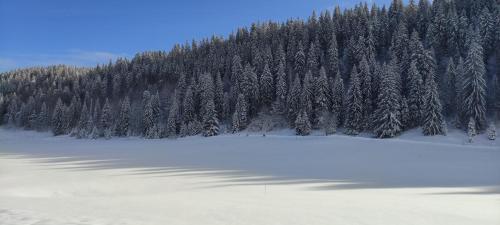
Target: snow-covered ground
point(240, 179)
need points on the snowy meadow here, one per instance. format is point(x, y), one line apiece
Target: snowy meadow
point(249, 179)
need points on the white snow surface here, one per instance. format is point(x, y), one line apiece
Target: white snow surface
point(248, 179)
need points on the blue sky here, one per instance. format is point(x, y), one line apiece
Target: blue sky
point(84, 33)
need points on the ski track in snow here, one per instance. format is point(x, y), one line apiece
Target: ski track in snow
point(249, 179)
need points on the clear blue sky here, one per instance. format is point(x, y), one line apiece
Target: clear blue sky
point(87, 32)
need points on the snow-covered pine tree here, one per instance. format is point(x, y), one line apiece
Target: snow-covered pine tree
point(387, 116)
point(449, 88)
point(415, 96)
point(218, 96)
point(471, 129)
point(432, 117)
point(338, 97)
point(155, 104)
point(405, 113)
point(81, 129)
point(43, 118)
point(106, 120)
point(240, 115)
point(492, 131)
point(322, 99)
point(302, 124)
point(293, 101)
point(354, 111)
point(281, 90)
point(210, 121)
point(123, 124)
point(266, 86)
point(365, 77)
point(474, 84)
point(333, 56)
point(148, 121)
point(173, 116)
point(188, 114)
point(57, 118)
point(312, 59)
point(300, 60)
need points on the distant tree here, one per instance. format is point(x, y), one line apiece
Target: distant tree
point(354, 111)
point(57, 118)
point(123, 124)
point(302, 124)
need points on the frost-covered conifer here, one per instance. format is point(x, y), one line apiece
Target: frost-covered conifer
point(354, 111)
point(302, 124)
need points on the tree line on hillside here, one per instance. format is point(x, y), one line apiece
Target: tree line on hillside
point(365, 69)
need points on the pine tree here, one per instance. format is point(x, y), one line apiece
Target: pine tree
point(293, 100)
point(474, 85)
point(173, 116)
point(281, 90)
point(123, 125)
point(387, 116)
point(210, 121)
point(405, 113)
point(240, 115)
point(188, 114)
point(321, 99)
point(366, 88)
point(354, 112)
point(449, 87)
point(415, 96)
point(43, 118)
point(155, 104)
point(302, 124)
point(266, 86)
point(81, 129)
point(218, 96)
point(148, 121)
point(106, 120)
point(338, 97)
point(300, 60)
point(432, 118)
point(333, 56)
point(57, 118)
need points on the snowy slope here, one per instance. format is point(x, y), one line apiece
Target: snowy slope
point(240, 179)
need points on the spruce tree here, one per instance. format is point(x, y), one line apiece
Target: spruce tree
point(266, 86)
point(43, 118)
point(474, 85)
point(57, 118)
point(281, 90)
point(293, 100)
point(106, 120)
point(387, 116)
point(415, 96)
point(321, 99)
point(173, 117)
point(338, 97)
point(354, 112)
point(432, 118)
point(302, 124)
point(366, 89)
point(123, 125)
point(210, 121)
point(240, 115)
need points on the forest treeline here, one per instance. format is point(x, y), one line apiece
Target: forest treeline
point(373, 69)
